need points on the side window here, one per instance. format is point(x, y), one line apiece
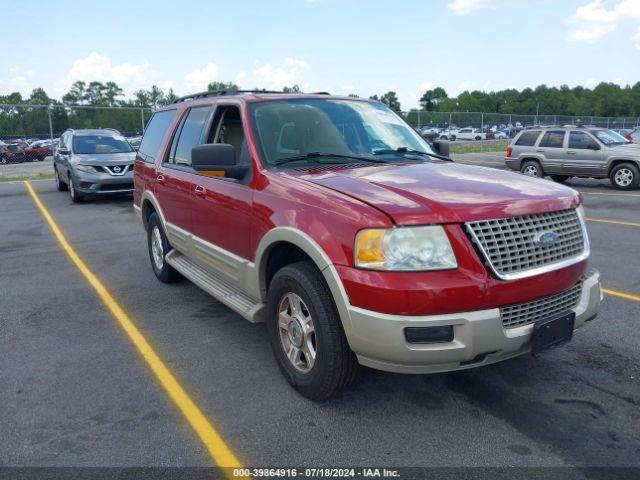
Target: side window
point(154, 134)
point(581, 141)
point(189, 135)
point(552, 139)
point(227, 128)
point(528, 138)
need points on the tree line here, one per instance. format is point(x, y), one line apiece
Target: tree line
point(604, 100)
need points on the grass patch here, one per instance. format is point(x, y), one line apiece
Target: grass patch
point(474, 147)
point(22, 178)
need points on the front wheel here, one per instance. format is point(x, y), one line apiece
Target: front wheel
point(625, 176)
point(306, 333)
point(60, 185)
point(76, 197)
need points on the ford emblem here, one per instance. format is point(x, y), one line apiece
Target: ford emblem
point(545, 239)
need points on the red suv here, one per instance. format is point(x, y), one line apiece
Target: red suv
point(355, 240)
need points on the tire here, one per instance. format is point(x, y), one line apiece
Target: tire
point(478, 138)
point(560, 178)
point(453, 138)
point(155, 233)
point(334, 366)
point(625, 176)
point(75, 196)
point(532, 168)
point(60, 185)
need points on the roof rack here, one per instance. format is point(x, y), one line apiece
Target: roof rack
point(233, 91)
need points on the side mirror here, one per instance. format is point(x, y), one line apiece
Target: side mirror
point(63, 151)
point(441, 147)
point(218, 160)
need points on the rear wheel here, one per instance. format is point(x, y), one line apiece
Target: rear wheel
point(306, 333)
point(3, 160)
point(625, 176)
point(532, 168)
point(158, 248)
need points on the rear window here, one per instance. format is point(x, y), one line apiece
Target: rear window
point(552, 139)
point(528, 138)
point(154, 134)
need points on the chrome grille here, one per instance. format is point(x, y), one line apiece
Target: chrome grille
point(509, 244)
point(531, 312)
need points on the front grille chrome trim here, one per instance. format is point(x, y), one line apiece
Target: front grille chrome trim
point(527, 313)
point(530, 272)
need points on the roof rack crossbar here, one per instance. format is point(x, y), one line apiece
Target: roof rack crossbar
point(225, 91)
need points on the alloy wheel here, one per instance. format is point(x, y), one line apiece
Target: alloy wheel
point(157, 251)
point(531, 170)
point(297, 332)
point(623, 177)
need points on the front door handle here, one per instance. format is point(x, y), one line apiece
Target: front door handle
point(160, 179)
point(199, 191)
point(540, 150)
point(571, 152)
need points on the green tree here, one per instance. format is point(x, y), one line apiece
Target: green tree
point(293, 89)
point(77, 94)
point(213, 86)
point(390, 99)
point(431, 98)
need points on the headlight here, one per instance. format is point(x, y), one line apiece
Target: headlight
point(404, 249)
point(86, 168)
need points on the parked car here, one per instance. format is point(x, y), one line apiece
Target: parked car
point(634, 135)
point(500, 135)
point(135, 142)
point(334, 222)
point(38, 150)
point(93, 162)
point(469, 133)
point(565, 152)
point(449, 134)
point(12, 153)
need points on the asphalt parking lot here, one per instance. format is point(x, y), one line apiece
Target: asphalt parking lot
point(77, 392)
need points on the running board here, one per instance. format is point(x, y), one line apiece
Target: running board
point(218, 288)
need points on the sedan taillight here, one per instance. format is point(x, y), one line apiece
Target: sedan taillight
point(509, 151)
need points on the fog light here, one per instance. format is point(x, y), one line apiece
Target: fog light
point(429, 334)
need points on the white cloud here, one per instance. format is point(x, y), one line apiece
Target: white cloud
point(240, 76)
point(594, 20)
point(99, 67)
point(464, 86)
point(591, 82)
point(424, 86)
point(465, 7)
point(19, 80)
point(348, 89)
point(285, 75)
point(198, 79)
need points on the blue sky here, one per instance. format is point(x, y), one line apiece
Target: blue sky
point(342, 46)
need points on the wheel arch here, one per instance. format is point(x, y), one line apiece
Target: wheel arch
point(148, 204)
point(612, 163)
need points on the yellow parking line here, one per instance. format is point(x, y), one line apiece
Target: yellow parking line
point(610, 194)
point(217, 447)
point(615, 222)
point(616, 293)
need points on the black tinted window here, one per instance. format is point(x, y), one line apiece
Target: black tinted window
point(552, 139)
point(154, 134)
point(581, 140)
point(190, 135)
point(528, 138)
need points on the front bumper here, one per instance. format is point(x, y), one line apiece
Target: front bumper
point(102, 183)
point(479, 337)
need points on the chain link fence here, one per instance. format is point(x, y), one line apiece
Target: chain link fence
point(423, 118)
point(26, 122)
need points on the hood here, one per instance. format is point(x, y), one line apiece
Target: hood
point(632, 149)
point(443, 192)
point(105, 158)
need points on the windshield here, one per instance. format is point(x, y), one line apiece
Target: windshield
point(298, 127)
point(98, 144)
point(609, 137)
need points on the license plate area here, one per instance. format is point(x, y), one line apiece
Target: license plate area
point(551, 333)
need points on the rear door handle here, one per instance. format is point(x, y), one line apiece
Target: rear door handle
point(160, 179)
point(199, 191)
point(571, 152)
point(540, 150)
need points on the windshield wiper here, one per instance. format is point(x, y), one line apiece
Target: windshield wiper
point(406, 150)
point(321, 155)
